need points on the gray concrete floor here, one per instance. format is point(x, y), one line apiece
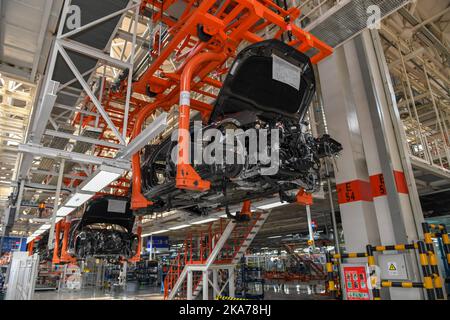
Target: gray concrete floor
point(293, 291)
point(129, 293)
point(272, 291)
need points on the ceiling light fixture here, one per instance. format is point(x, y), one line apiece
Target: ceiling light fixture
point(103, 176)
point(155, 232)
point(205, 221)
point(64, 211)
point(180, 227)
point(272, 205)
point(78, 199)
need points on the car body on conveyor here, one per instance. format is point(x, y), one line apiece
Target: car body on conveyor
point(104, 230)
point(269, 87)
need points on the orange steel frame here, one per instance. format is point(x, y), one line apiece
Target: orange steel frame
point(60, 254)
point(227, 26)
point(196, 250)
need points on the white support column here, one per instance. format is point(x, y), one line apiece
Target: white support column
point(189, 285)
point(352, 179)
point(310, 230)
point(51, 234)
point(19, 200)
point(205, 285)
point(130, 73)
point(372, 156)
point(215, 281)
point(362, 114)
point(231, 282)
point(389, 144)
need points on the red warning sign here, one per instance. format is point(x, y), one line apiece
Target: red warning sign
point(356, 286)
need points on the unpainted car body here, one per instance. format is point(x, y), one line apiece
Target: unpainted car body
point(104, 230)
point(269, 87)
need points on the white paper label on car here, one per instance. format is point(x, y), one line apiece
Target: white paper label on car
point(117, 206)
point(286, 72)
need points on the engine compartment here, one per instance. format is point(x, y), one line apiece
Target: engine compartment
point(104, 230)
point(273, 151)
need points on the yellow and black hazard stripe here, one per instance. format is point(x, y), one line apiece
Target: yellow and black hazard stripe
point(433, 261)
point(427, 280)
point(229, 298)
point(330, 277)
point(401, 284)
point(439, 227)
point(350, 255)
point(443, 234)
point(445, 242)
point(371, 262)
point(397, 247)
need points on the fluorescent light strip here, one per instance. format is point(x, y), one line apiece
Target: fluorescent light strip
point(78, 199)
point(272, 205)
point(155, 232)
point(180, 227)
point(101, 180)
point(64, 211)
point(205, 221)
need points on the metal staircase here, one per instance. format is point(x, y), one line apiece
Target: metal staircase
point(317, 269)
point(219, 248)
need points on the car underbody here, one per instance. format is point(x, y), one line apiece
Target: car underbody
point(104, 230)
point(279, 113)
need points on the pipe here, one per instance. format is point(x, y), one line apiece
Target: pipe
point(187, 177)
point(333, 213)
point(138, 200)
point(64, 256)
point(56, 259)
point(31, 247)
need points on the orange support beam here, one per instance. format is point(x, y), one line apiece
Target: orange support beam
point(224, 28)
point(56, 259)
point(137, 198)
point(187, 177)
point(65, 256)
point(304, 198)
point(246, 209)
point(30, 247)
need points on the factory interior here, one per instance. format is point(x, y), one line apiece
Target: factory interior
point(255, 150)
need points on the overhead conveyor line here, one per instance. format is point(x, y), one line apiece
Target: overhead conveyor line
point(210, 35)
point(248, 14)
point(96, 38)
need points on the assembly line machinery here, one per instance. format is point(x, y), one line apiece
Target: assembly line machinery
point(191, 46)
